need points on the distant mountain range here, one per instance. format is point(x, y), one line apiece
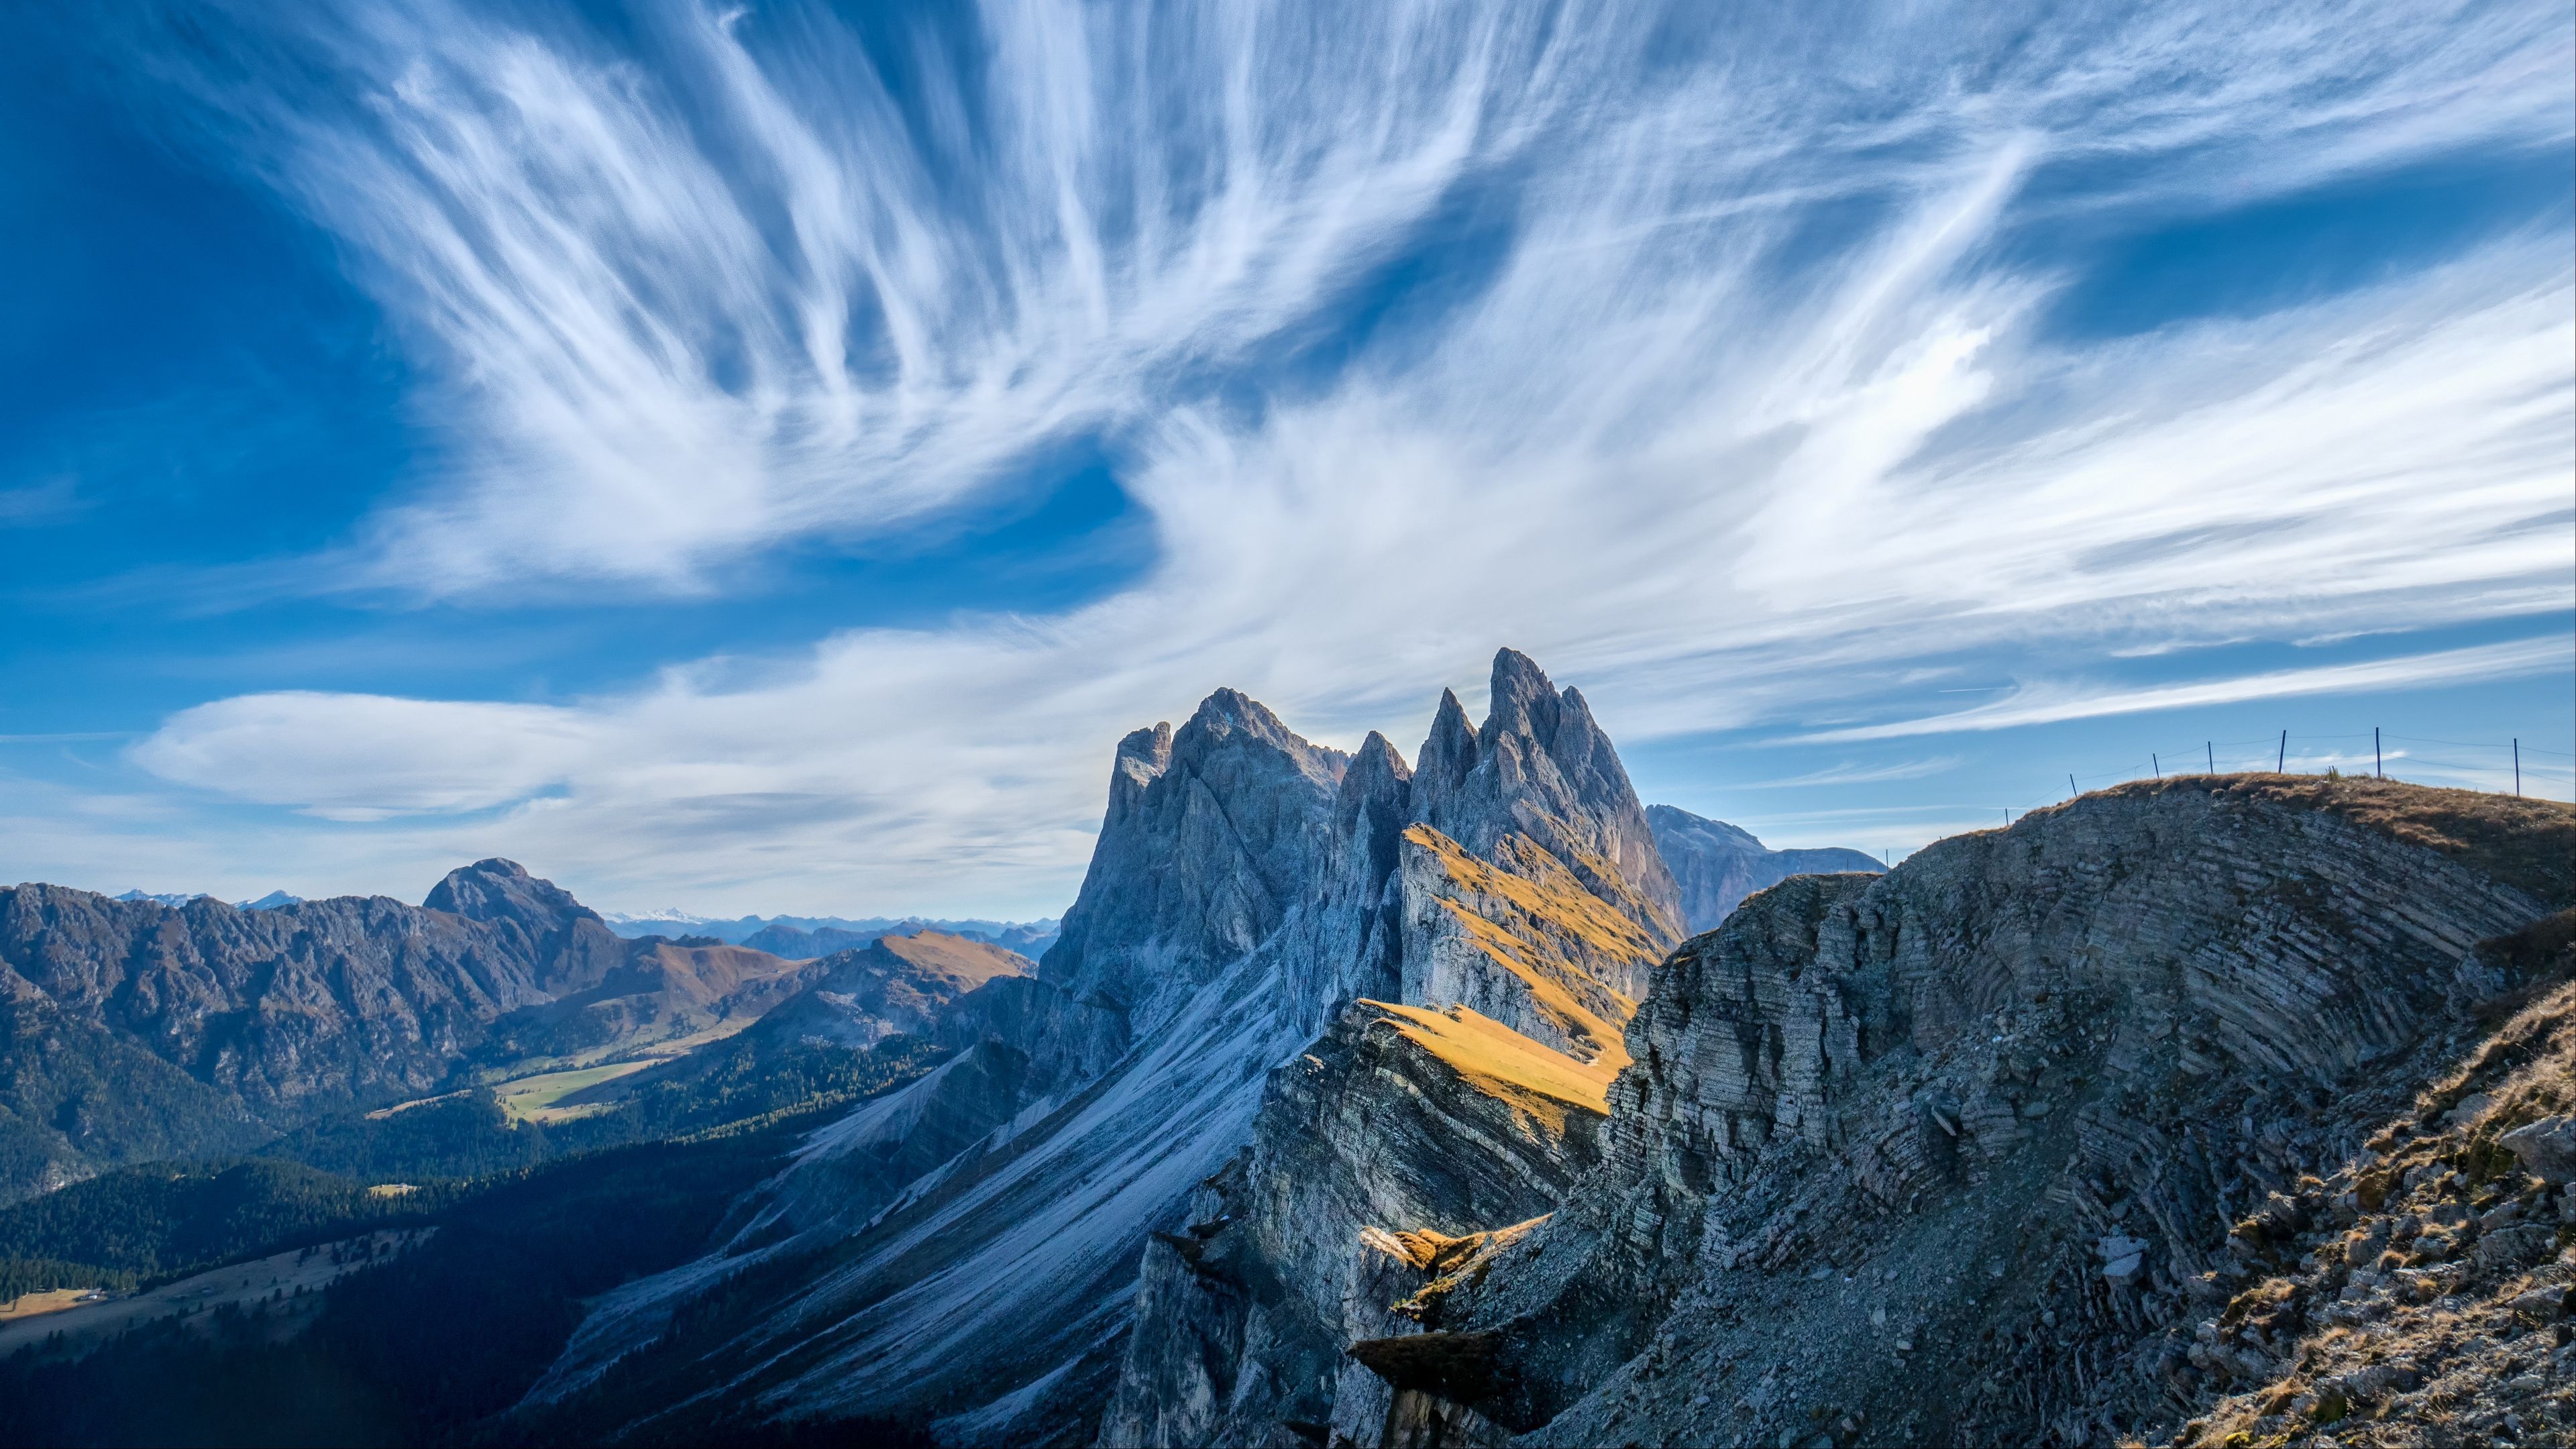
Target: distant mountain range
point(797, 938)
point(136, 1029)
point(268, 902)
point(801, 938)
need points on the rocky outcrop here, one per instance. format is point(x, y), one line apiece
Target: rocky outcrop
point(1247, 887)
point(1521, 940)
point(1716, 865)
point(1951, 1154)
point(1444, 1122)
point(1211, 836)
point(1540, 768)
point(1515, 948)
point(2419, 1295)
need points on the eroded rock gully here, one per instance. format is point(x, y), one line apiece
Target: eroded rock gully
point(1302, 995)
point(1970, 1152)
point(1365, 1103)
point(1518, 907)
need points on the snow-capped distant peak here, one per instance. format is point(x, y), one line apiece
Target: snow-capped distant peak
point(684, 918)
point(172, 899)
point(270, 902)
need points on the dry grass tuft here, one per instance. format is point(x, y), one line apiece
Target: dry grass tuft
point(1500, 1062)
point(2526, 843)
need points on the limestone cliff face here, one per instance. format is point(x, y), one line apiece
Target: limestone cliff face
point(1518, 909)
point(1541, 768)
point(1716, 865)
point(1519, 938)
point(985, 1228)
point(1444, 1123)
point(1950, 1155)
point(1212, 834)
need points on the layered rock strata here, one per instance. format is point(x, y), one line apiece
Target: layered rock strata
point(1951, 1155)
point(1247, 888)
point(2420, 1295)
point(1442, 1122)
point(1518, 915)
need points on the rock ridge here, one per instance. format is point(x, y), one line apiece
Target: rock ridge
point(1951, 1154)
point(1055, 1263)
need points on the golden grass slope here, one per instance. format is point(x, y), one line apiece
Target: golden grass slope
point(1534, 918)
point(1500, 1062)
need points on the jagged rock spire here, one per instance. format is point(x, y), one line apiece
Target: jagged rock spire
point(1213, 831)
point(1450, 753)
point(1540, 766)
point(1141, 759)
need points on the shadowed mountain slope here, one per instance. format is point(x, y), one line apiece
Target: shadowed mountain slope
point(1247, 888)
point(1952, 1155)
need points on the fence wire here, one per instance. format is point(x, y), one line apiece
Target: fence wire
point(2507, 767)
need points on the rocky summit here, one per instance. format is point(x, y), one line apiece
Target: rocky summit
point(1381, 1104)
point(1375, 1102)
point(2063, 1133)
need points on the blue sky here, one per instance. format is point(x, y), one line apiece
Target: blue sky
point(759, 458)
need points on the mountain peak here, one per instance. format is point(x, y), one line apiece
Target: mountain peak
point(1377, 755)
point(1211, 831)
point(1542, 768)
point(1141, 759)
point(573, 947)
point(1521, 700)
point(497, 889)
point(1674, 822)
point(1450, 750)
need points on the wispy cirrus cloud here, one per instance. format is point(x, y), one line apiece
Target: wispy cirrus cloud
point(1735, 402)
point(1858, 774)
point(2051, 703)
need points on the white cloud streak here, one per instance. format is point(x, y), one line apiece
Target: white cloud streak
point(2049, 704)
point(1857, 774)
point(1739, 411)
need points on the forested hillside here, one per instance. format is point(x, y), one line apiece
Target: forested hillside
point(434, 1340)
point(133, 1031)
